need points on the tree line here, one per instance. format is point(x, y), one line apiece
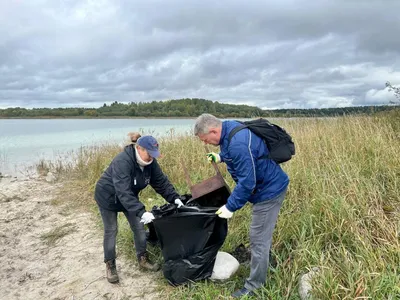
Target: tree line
point(189, 107)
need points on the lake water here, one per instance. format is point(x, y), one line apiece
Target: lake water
point(23, 142)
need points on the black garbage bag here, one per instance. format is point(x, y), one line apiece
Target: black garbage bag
point(195, 267)
point(151, 235)
point(190, 238)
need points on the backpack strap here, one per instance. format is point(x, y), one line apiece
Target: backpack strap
point(231, 134)
point(234, 131)
point(240, 127)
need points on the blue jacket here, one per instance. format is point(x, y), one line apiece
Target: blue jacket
point(256, 180)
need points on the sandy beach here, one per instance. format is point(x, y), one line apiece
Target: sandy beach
point(49, 251)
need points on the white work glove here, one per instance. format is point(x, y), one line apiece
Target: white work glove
point(178, 202)
point(147, 218)
point(213, 157)
point(223, 212)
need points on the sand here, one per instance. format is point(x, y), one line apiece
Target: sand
point(70, 267)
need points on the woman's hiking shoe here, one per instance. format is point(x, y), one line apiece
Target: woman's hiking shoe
point(111, 271)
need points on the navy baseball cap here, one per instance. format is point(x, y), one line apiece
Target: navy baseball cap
point(150, 144)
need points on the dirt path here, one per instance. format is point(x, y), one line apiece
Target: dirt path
point(48, 252)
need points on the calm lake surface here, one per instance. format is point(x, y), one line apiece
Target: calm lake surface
point(23, 142)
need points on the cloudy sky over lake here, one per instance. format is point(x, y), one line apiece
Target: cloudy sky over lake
point(272, 54)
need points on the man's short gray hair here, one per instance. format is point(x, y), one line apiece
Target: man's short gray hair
point(204, 122)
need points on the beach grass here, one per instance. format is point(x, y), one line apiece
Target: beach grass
point(341, 213)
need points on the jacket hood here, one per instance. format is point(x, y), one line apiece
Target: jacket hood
point(130, 151)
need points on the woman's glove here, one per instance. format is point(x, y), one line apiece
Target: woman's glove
point(178, 202)
point(213, 157)
point(147, 218)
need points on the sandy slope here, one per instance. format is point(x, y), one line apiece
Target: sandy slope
point(73, 267)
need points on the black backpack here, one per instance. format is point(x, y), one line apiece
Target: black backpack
point(279, 142)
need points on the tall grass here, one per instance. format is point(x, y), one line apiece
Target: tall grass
point(341, 213)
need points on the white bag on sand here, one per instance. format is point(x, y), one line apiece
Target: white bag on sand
point(225, 266)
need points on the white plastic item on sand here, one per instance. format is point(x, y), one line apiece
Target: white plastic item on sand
point(225, 266)
point(50, 177)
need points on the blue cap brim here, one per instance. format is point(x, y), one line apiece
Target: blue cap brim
point(154, 153)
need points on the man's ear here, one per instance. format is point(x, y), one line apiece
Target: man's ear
point(212, 130)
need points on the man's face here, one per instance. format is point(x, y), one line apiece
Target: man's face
point(212, 137)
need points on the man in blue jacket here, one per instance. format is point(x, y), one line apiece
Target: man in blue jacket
point(261, 182)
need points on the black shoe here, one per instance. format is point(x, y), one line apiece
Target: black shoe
point(111, 271)
point(242, 292)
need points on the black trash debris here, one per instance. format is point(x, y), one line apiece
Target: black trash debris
point(243, 255)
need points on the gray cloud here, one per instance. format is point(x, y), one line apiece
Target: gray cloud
point(275, 54)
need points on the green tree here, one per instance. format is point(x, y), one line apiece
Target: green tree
point(131, 112)
point(91, 113)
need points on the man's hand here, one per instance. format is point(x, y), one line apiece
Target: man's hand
point(223, 212)
point(147, 218)
point(213, 157)
point(178, 202)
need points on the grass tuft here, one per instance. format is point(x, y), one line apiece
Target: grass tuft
point(53, 236)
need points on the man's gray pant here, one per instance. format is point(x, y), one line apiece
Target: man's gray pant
point(262, 226)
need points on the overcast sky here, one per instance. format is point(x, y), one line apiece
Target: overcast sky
point(272, 54)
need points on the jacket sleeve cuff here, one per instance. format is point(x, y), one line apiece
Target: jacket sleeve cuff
point(229, 207)
point(172, 198)
point(140, 212)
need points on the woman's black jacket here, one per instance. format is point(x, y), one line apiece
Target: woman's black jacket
point(119, 186)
